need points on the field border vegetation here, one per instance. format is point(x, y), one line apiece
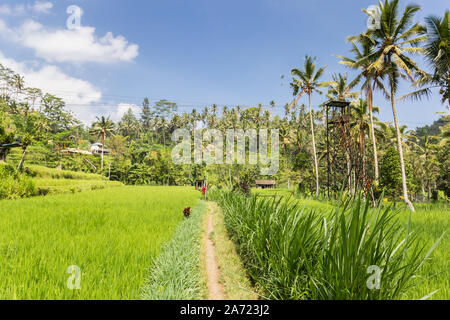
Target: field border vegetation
point(176, 274)
point(292, 252)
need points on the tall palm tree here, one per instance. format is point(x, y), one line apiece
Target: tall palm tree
point(437, 53)
point(306, 82)
point(392, 38)
point(361, 124)
point(371, 78)
point(103, 128)
point(18, 83)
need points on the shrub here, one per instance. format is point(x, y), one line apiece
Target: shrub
point(13, 184)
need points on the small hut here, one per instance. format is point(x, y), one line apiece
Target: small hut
point(265, 184)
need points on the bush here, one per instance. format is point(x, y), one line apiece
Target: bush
point(13, 184)
point(294, 253)
point(391, 174)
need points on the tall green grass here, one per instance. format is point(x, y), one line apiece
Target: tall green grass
point(112, 235)
point(50, 173)
point(429, 222)
point(176, 272)
point(58, 186)
point(293, 252)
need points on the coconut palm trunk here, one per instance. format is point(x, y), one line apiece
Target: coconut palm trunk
point(22, 159)
point(400, 153)
point(372, 133)
point(103, 148)
point(316, 165)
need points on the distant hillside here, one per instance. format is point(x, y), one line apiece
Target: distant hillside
point(434, 129)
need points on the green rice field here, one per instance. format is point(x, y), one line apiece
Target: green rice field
point(112, 235)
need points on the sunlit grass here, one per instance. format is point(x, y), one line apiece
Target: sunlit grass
point(279, 244)
point(176, 273)
point(44, 172)
point(112, 235)
point(430, 221)
point(48, 186)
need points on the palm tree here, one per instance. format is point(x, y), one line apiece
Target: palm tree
point(340, 89)
point(389, 135)
point(18, 83)
point(102, 128)
point(437, 53)
point(390, 58)
point(307, 81)
point(27, 139)
point(372, 80)
point(361, 124)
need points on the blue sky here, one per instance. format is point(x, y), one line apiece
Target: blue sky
point(195, 52)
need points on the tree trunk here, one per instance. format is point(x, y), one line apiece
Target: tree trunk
point(22, 159)
point(372, 133)
point(400, 153)
point(103, 148)
point(316, 165)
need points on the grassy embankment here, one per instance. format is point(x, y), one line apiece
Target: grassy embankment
point(53, 181)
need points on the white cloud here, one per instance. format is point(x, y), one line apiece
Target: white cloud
point(77, 45)
point(80, 95)
point(42, 7)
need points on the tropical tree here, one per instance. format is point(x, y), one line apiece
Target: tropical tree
point(146, 115)
point(340, 89)
point(27, 139)
point(306, 81)
point(129, 125)
point(371, 78)
point(392, 40)
point(103, 128)
point(437, 53)
point(361, 125)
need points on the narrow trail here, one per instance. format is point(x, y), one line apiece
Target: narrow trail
point(215, 288)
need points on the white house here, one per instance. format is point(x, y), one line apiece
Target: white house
point(96, 148)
